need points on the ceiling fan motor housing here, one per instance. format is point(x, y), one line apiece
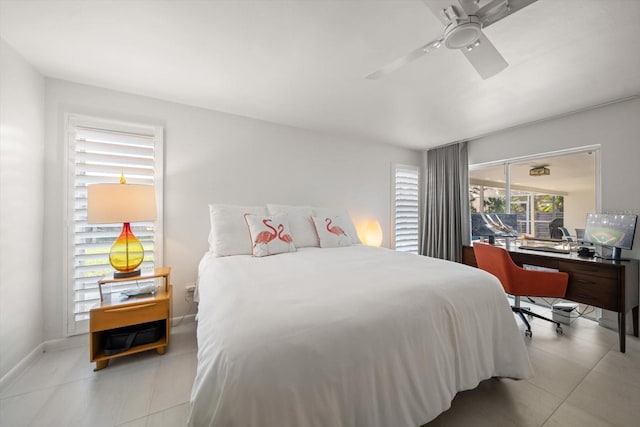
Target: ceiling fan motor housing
point(462, 33)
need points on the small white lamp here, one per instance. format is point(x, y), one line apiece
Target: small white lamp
point(372, 233)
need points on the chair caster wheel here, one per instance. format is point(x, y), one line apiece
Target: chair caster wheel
point(528, 334)
point(559, 330)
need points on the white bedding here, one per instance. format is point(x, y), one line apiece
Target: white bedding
point(353, 336)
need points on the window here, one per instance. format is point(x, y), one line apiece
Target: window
point(100, 152)
point(406, 209)
point(561, 197)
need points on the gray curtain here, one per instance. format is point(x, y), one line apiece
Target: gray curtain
point(446, 219)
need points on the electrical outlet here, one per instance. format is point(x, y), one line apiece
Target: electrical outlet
point(189, 290)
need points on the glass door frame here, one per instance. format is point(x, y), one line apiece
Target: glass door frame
point(595, 149)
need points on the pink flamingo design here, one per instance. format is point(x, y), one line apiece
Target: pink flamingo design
point(284, 237)
point(265, 237)
point(335, 229)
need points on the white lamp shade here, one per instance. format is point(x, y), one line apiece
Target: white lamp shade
point(112, 203)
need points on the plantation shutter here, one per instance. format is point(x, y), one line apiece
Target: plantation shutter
point(406, 209)
point(101, 153)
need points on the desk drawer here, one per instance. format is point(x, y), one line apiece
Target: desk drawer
point(599, 270)
point(593, 290)
point(124, 315)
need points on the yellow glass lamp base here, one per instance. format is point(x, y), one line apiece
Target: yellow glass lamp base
point(126, 253)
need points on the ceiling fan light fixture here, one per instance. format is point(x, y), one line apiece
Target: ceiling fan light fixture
point(460, 35)
point(473, 46)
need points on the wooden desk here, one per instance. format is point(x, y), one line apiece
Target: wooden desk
point(592, 281)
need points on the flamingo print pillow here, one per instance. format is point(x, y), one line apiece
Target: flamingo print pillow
point(331, 231)
point(270, 235)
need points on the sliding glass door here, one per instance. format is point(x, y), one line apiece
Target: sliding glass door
point(547, 196)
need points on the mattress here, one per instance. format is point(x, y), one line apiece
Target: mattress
point(354, 336)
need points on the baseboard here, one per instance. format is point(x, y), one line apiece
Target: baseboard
point(21, 366)
point(609, 320)
point(63, 343)
point(186, 318)
point(83, 339)
point(67, 342)
point(608, 323)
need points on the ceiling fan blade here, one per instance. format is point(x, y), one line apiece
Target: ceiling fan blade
point(401, 62)
point(485, 58)
point(495, 10)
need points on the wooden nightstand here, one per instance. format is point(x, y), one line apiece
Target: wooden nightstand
point(113, 313)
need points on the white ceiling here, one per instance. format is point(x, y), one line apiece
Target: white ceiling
point(302, 63)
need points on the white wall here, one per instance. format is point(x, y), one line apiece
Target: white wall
point(576, 205)
point(21, 210)
point(215, 157)
point(616, 127)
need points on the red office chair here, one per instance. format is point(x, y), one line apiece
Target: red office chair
point(520, 282)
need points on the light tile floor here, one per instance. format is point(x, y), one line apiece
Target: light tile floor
point(581, 380)
point(145, 389)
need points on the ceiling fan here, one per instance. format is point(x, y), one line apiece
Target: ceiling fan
point(464, 21)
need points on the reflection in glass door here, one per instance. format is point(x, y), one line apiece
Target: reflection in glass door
point(545, 203)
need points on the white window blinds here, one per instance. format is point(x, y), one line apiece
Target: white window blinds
point(99, 153)
point(406, 209)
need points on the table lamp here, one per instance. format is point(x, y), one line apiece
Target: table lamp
point(126, 203)
point(372, 233)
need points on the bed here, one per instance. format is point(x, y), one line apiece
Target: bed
point(348, 336)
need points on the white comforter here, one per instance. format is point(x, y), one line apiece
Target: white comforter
point(353, 336)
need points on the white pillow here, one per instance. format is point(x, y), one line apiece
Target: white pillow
point(331, 231)
point(270, 235)
point(229, 232)
point(347, 224)
point(302, 229)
